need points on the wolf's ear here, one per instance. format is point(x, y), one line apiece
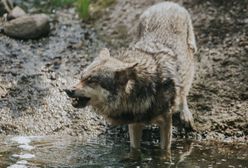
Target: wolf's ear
point(104, 53)
point(125, 76)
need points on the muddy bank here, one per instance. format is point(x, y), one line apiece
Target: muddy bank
point(33, 73)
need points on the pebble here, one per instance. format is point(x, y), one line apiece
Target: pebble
point(238, 106)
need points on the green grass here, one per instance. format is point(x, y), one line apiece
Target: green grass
point(83, 6)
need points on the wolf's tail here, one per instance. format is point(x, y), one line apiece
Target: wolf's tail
point(191, 36)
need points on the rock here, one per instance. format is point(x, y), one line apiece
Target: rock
point(239, 106)
point(15, 13)
point(27, 27)
point(246, 47)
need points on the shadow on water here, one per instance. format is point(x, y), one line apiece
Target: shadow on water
point(75, 152)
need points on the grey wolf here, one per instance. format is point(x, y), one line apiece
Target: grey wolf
point(147, 82)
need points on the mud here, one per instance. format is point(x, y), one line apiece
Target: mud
point(34, 73)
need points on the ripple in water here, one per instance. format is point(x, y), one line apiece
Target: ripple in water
point(35, 151)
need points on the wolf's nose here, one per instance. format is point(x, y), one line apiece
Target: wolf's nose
point(69, 92)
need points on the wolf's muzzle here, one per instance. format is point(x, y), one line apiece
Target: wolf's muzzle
point(70, 93)
point(77, 101)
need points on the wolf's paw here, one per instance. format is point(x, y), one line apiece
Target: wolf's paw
point(187, 121)
point(165, 157)
point(133, 155)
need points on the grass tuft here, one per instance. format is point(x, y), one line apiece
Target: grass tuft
point(83, 6)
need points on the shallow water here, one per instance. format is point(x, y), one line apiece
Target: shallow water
point(35, 151)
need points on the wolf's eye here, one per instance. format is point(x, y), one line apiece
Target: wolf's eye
point(91, 80)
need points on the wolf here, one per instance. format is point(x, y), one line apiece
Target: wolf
point(147, 82)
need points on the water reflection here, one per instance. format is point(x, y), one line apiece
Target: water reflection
point(77, 152)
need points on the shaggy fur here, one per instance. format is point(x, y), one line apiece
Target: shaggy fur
point(148, 82)
point(167, 28)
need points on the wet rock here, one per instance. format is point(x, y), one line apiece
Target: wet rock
point(15, 13)
point(28, 27)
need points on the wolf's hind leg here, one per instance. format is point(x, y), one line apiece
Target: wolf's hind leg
point(185, 115)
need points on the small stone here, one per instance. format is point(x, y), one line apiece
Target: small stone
point(238, 106)
point(246, 47)
point(16, 13)
point(53, 76)
point(239, 133)
point(246, 20)
point(28, 27)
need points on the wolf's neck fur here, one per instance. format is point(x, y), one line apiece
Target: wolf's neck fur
point(144, 90)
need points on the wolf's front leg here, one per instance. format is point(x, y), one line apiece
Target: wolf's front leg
point(135, 134)
point(166, 136)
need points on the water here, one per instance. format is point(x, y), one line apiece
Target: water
point(45, 151)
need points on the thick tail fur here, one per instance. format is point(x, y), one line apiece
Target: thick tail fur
point(191, 36)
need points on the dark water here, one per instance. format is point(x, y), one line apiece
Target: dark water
point(21, 152)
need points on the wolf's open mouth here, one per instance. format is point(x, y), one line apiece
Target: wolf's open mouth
point(80, 102)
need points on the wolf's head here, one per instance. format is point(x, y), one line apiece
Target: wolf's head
point(102, 81)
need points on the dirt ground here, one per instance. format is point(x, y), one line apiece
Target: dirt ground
point(34, 73)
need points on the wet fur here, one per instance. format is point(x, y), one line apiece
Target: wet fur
point(146, 95)
point(149, 81)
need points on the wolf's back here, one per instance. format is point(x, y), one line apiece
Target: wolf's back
point(165, 27)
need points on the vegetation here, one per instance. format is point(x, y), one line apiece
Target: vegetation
point(82, 6)
point(85, 7)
